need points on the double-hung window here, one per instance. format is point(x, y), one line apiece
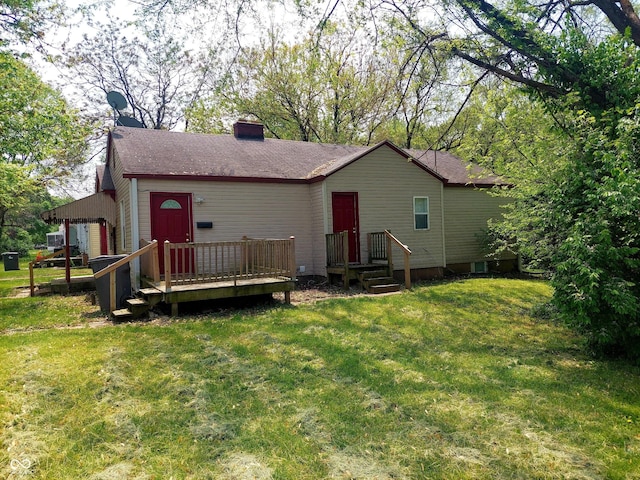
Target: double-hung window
point(421, 213)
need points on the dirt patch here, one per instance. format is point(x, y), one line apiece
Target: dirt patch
point(242, 466)
point(310, 290)
point(20, 292)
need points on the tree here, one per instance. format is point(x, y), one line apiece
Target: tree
point(154, 70)
point(580, 61)
point(25, 21)
point(42, 140)
point(332, 90)
point(585, 210)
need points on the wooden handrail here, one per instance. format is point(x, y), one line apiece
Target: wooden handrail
point(114, 266)
point(111, 270)
point(407, 268)
point(32, 286)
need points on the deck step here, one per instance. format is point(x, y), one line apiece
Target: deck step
point(149, 291)
point(122, 315)
point(380, 284)
point(384, 288)
point(367, 274)
point(368, 282)
point(153, 296)
point(138, 306)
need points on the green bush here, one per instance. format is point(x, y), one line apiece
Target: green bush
point(16, 240)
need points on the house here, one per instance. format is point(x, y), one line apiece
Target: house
point(185, 187)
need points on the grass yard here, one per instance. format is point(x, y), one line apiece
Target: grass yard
point(449, 381)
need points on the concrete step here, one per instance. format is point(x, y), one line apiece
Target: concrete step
point(384, 288)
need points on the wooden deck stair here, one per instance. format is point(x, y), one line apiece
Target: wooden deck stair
point(378, 281)
point(139, 306)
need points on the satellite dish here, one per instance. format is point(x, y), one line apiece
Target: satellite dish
point(116, 100)
point(125, 121)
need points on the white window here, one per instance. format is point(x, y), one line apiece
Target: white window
point(421, 213)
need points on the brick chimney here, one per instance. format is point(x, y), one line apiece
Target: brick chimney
point(248, 130)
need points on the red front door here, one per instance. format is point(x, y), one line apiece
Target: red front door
point(171, 219)
point(104, 244)
point(345, 217)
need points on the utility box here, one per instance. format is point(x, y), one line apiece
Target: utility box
point(10, 260)
point(103, 284)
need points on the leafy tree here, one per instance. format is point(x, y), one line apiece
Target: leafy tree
point(24, 21)
point(42, 141)
point(577, 209)
point(584, 212)
point(332, 89)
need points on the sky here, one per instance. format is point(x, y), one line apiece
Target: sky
point(125, 10)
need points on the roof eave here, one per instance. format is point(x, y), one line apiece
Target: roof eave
point(214, 178)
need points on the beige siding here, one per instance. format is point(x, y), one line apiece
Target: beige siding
point(123, 194)
point(258, 210)
point(318, 228)
point(386, 184)
point(94, 240)
point(466, 213)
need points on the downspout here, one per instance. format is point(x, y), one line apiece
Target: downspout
point(135, 232)
point(444, 244)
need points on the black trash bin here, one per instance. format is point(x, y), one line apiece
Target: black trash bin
point(10, 261)
point(103, 284)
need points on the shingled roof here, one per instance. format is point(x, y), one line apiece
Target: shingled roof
point(164, 154)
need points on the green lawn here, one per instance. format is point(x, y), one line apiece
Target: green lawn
point(451, 380)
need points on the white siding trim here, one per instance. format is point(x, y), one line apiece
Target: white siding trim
point(325, 208)
point(123, 228)
point(135, 232)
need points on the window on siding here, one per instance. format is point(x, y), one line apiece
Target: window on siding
point(421, 213)
point(123, 227)
point(170, 205)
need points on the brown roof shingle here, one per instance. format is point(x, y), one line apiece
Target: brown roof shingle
point(160, 153)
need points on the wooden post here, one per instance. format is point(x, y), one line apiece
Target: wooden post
point(244, 260)
point(292, 257)
point(389, 256)
point(407, 271)
point(67, 254)
point(112, 291)
point(31, 282)
point(167, 265)
point(155, 262)
point(345, 257)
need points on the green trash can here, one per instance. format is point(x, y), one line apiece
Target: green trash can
point(10, 261)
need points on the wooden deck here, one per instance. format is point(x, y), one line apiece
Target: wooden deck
point(190, 292)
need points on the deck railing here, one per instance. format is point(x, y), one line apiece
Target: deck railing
point(377, 246)
point(249, 258)
point(406, 252)
point(337, 248)
point(380, 246)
